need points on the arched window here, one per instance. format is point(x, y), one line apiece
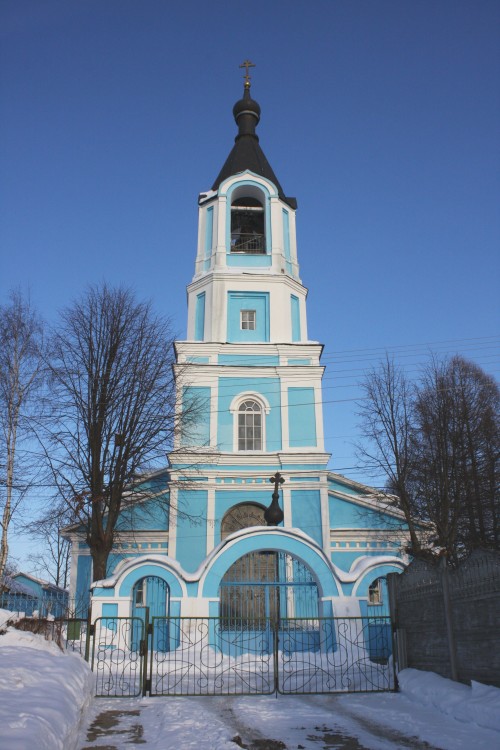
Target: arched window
point(249, 426)
point(247, 226)
point(242, 516)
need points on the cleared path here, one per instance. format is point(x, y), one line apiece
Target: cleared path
point(347, 722)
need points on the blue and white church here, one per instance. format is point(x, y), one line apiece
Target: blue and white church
point(209, 541)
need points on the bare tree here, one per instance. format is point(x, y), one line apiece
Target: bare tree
point(457, 446)
point(114, 407)
point(438, 445)
point(386, 423)
point(21, 337)
point(52, 558)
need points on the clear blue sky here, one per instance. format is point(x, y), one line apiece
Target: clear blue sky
point(382, 118)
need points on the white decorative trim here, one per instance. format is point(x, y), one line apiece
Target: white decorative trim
point(210, 519)
point(172, 534)
point(125, 566)
point(244, 396)
point(370, 569)
point(287, 506)
point(325, 515)
point(363, 541)
point(243, 177)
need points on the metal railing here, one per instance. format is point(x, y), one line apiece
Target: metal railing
point(178, 656)
point(41, 605)
point(248, 243)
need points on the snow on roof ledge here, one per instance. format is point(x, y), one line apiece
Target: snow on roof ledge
point(358, 569)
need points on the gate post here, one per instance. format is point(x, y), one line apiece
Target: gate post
point(275, 629)
point(399, 654)
point(90, 631)
point(448, 616)
point(146, 682)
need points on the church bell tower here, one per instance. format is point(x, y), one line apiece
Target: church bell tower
point(247, 364)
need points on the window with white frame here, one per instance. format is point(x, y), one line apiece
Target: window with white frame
point(248, 320)
point(140, 593)
point(249, 426)
point(375, 592)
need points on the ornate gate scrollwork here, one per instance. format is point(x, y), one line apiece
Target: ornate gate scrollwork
point(214, 656)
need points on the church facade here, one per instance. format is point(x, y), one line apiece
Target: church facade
point(208, 539)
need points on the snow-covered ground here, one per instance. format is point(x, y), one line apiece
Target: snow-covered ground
point(44, 693)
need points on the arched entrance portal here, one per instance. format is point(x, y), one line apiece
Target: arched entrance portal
point(266, 585)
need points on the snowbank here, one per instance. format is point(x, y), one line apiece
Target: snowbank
point(42, 692)
point(479, 704)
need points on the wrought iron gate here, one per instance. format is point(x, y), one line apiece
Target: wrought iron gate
point(237, 656)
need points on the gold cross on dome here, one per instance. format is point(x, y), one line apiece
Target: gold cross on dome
point(247, 64)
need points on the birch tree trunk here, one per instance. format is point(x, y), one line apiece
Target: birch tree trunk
point(20, 378)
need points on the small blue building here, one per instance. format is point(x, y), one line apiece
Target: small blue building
point(200, 545)
point(22, 592)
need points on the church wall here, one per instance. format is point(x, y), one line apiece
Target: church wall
point(306, 513)
point(229, 389)
point(209, 234)
point(199, 325)
point(197, 429)
point(191, 531)
point(249, 261)
point(150, 515)
point(301, 417)
point(295, 315)
point(344, 487)
point(83, 581)
point(345, 514)
point(221, 313)
point(238, 301)
point(346, 558)
point(248, 360)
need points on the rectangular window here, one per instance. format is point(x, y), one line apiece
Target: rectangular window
point(248, 320)
point(139, 594)
point(249, 431)
point(375, 592)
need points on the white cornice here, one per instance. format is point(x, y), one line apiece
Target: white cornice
point(265, 275)
point(372, 502)
point(277, 459)
point(308, 349)
point(312, 373)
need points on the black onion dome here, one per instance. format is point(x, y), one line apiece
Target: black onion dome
point(246, 152)
point(247, 105)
